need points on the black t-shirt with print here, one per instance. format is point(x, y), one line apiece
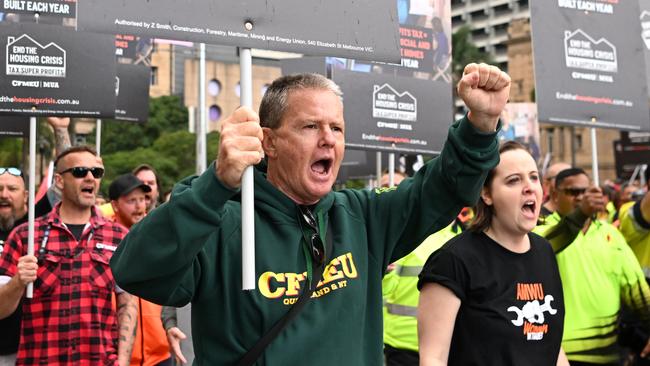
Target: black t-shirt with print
point(512, 306)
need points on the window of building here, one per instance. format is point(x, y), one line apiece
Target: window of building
point(502, 9)
point(154, 75)
point(549, 140)
point(501, 29)
point(479, 15)
point(578, 141)
point(500, 48)
point(214, 87)
point(214, 112)
point(457, 20)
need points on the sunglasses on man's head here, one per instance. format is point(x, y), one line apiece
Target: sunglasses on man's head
point(317, 249)
point(82, 171)
point(13, 171)
point(575, 192)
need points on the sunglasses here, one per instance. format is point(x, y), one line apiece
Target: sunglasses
point(317, 249)
point(575, 192)
point(82, 172)
point(13, 171)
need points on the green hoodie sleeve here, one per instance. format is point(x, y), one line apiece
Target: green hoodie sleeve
point(169, 318)
point(399, 219)
point(159, 259)
point(564, 232)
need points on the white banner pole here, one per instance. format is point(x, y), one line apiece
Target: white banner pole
point(31, 193)
point(201, 154)
point(378, 155)
point(391, 169)
point(98, 136)
point(594, 154)
point(247, 188)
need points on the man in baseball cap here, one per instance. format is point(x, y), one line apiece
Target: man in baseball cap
point(127, 195)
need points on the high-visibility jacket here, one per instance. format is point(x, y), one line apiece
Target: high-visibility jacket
point(612, 214)
point(400, 291)
point(599, 272)
point(637, 233)
point(107, 211)
point(150, 346)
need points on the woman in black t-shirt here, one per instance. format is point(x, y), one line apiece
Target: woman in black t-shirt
point(493, 295)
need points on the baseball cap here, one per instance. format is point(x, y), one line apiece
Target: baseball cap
point(125, 184)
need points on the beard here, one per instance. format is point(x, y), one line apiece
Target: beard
point(152, 203)
point(7, 222)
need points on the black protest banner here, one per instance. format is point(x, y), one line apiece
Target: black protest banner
point(589, 64)
point(53, 8)
point(52, 71)
point(645, 37)
point(134, 48)
point(14, 126)
point(628, 154)
point(355, 165)
point(364, 29)
point(393, 113)
point(132, 92)
point(425, 42)
point(416, 48)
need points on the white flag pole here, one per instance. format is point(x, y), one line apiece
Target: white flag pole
point(247, 189)
point(378, 167)
point(594, 154)
point(98, 136)
point(32, 188)
point(391, 170)
point(201, 153)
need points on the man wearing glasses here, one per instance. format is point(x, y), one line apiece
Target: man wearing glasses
point(70, 320)
point(598, 270)
point(332, 246)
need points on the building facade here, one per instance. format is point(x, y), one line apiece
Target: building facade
point(489, 21)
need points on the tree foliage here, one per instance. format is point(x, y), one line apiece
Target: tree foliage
point(166, 114)
point(12, 149)
point(163, 142)
point(11, 152)
point(465, 52)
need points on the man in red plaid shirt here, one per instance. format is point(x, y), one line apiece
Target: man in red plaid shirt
point(70, 320)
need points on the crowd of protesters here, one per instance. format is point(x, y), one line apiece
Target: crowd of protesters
point(77, 315)
point(544, 269)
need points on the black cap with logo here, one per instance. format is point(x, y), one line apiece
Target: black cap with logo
point(125, 184)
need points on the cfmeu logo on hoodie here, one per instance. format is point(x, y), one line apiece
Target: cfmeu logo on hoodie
point(286, 286)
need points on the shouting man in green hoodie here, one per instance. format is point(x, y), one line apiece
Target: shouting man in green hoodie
point(332, 246)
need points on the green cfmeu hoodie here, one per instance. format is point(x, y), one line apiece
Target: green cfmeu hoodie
point(189, 249)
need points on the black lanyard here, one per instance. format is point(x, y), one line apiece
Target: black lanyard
point(42, 250)
point(46, 237)
point(254, 352)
